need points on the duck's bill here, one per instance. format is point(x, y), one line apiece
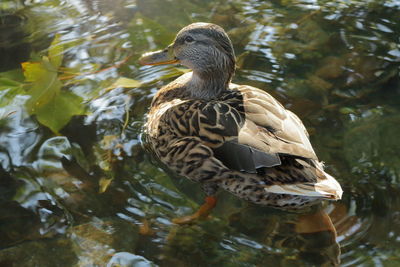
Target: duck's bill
point(160, 57)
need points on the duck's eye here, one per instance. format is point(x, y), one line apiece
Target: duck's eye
point(189, 39)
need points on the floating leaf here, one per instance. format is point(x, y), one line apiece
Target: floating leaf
point(125, 83)
point(56, 51)
point(43, 91)
point(104, 183)
point(52, 107)
point(59, 110)
point(6, 83)
point(14, 75)
point(33, 71)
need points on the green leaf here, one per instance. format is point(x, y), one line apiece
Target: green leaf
point(43, 91)
point(45, 83)
point(16, 76)
point(125, 83)
point(58, 112)
point(6, 83)
point(56, 51)
point(48, 65)
point(33, 71)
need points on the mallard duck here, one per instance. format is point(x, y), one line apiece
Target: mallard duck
point(234, 137)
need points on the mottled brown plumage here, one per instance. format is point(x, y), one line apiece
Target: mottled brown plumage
point(234, 137)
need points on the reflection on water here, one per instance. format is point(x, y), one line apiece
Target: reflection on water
point(91, 196)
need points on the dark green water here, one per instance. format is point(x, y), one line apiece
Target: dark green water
point(335, 63)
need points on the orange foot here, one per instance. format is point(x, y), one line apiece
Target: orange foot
point(202, 213)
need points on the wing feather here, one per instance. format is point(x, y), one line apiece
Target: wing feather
point(272, 128)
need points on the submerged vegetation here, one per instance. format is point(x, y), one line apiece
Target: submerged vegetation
point(75, 178)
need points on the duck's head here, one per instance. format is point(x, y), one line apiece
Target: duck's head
point(205, 48)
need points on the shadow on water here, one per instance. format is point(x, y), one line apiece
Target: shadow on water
point(78, 189)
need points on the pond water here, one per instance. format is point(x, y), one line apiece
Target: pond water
point(77, 187)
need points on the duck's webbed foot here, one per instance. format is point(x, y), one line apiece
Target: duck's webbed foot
point(201, 214)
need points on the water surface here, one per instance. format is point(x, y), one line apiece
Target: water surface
point(77, 187)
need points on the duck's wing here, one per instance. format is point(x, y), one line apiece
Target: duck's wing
point(270, 127)
point(261, 137)
point(246, 127)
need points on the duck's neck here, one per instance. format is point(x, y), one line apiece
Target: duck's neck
point(208, 85)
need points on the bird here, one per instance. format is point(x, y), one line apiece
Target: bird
point(227, 136)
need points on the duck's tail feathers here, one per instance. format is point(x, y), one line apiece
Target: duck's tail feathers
point(327, 188)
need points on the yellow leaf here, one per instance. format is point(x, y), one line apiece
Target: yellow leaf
point(125, 83)
point(104, 183)
point(33, 71)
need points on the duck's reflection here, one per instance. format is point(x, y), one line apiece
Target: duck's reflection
point(312, 234)
point(318, 235)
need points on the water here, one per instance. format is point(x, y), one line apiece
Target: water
point(334, 63)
